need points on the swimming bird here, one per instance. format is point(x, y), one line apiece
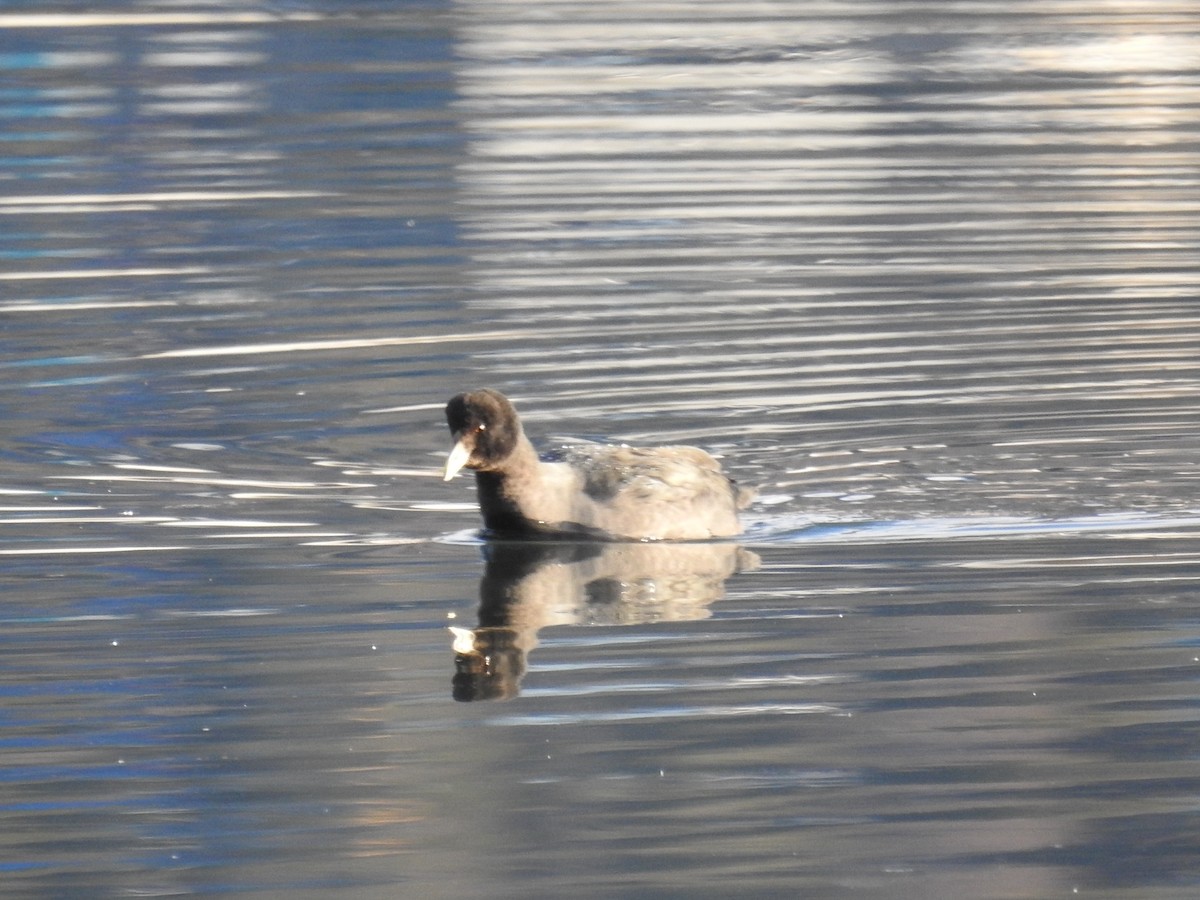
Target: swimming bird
point(590, 490)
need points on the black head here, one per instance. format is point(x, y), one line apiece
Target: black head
point(486, 426)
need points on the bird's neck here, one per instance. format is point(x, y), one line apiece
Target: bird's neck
point(500, 488)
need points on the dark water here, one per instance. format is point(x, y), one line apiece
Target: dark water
point(926, 275)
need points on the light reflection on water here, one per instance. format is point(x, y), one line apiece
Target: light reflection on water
point(927, 281)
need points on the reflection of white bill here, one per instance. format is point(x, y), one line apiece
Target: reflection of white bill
point(464, 639)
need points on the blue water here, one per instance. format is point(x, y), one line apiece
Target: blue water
point(925, 278)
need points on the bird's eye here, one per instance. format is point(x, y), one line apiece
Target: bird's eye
point(482, 426)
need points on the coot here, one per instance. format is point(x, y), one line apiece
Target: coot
point(594, 490)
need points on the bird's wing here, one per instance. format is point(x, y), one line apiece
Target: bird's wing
point(663, 474)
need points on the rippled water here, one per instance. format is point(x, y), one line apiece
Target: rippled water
point(925, 275)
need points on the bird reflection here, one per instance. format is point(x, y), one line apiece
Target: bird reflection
point(529, 585)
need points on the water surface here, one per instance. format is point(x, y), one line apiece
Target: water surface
point(925, 278)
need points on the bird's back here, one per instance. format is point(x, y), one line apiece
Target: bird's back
point(662, 492)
